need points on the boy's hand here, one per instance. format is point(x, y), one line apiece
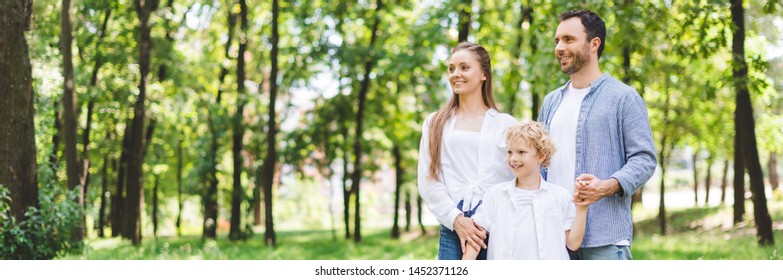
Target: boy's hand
point(588, 189)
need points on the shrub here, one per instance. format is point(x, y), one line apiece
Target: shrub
point(44, 232)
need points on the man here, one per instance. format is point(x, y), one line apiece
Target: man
point(601, 129)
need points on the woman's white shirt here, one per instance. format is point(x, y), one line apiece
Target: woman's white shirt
point(442, 196)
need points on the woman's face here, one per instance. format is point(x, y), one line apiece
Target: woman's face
point(465, 74)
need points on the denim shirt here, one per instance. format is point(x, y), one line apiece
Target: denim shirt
point(613, 140)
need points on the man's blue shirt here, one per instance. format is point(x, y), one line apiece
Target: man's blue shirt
point(613, 140)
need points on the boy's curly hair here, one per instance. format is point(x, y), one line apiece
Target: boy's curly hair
point(536, 135)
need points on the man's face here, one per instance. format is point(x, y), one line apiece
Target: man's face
point(572, 49)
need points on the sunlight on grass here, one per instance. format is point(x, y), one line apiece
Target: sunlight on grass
point(692, 234)
point(292, 245)
point(705, 233)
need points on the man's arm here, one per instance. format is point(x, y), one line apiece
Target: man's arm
point(639, 148)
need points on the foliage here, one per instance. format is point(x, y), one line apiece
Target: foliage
point(44, 233)
point(679, 62)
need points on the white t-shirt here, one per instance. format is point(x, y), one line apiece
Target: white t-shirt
point(508, 214)
point(563, 131)
point(465, 146)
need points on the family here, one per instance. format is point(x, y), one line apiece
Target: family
point(556, 188)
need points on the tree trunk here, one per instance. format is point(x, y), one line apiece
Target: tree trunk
point(694, 160)
point(179, 185)
point(357, 146)
point(162, 70)
point(270, 238)
point(118, 200)
point(420, 212)
point(745, 127)
point(72, 166)
point(662, 161)
point(772, 164)
point(155, 207)
point(85, 163)
point(723, 182)
point(210, 198)
point(408, 209)
point(662, 199)
point(465, 8)
point(708, 181)
point(395, 234)
point(58, 129)
point(18, 168)
point(739, 179)
point(104, 189)
point(235, 231)
point(346, 189)
point(135, 176)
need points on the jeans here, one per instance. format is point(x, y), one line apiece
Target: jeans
point(608, 252)
point(449, 247)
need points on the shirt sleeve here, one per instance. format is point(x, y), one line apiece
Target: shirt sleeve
point(485, 214)
point(434, 192)
point(639, 146)
point(569, 213)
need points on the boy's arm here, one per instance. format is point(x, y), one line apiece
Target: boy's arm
point(575, 236)
point(470, 253)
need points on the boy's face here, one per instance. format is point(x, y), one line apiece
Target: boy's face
point(523, 159)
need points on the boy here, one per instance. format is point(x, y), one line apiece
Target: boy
point(527, 217)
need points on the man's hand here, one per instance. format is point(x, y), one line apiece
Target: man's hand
point(588, 189)
point(468, 233)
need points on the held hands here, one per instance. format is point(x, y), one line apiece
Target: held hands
point(588, 189)
point(469, 233)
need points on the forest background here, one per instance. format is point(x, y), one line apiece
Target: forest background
point(234, 129)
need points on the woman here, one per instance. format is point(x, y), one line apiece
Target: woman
point(462, 152)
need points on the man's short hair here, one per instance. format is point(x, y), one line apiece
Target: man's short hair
point(594, 25)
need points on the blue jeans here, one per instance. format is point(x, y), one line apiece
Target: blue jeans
point(450, 249)
point(608, 252)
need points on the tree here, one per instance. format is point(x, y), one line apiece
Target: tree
point(135, 182)
point(369, 63)
point(237, 194)
point(744, 124)
point(18, 168)
point(214, 122)
point(465, 8)
point(70, 114)
point(270, 161)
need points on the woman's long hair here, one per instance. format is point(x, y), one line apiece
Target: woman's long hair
point(445, 112)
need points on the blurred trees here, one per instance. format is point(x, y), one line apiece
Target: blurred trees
point(329, 97)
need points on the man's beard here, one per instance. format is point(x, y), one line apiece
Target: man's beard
point(578, 60)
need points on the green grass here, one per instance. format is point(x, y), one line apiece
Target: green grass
point(705, 233)
point(696, 233)
point(292, 245)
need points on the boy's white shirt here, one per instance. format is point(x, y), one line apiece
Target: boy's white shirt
point(443, 195)
point(553, 212)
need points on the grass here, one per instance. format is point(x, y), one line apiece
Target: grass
point(695, 233)
point(292, 245)
point(706, 233)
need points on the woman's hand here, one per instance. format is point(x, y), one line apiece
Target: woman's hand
point(469, 233)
